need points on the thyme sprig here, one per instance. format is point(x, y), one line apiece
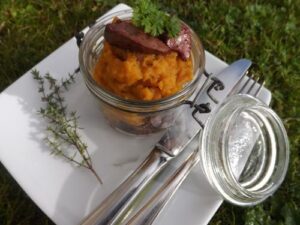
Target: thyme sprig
point(63, 127)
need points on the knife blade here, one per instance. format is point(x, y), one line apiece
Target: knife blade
point(216, 89)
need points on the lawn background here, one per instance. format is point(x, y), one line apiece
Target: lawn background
point(267, 32)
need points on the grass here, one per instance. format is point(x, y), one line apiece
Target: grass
point(266, 32)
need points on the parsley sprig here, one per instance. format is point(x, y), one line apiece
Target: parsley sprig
point(154, 21)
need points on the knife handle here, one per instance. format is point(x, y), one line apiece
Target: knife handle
point(124, 195)
point(147, 214)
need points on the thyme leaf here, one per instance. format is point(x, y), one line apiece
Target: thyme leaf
point(62, 130)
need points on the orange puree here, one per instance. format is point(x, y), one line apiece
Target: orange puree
point(141, 76)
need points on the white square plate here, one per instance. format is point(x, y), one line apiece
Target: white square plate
point(67, 193)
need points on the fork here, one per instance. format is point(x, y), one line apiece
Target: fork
point(147, 214)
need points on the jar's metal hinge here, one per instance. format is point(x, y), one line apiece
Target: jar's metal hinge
point(199, 108)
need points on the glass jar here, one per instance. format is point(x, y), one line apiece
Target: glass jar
point(134, 116)
point(244, 150)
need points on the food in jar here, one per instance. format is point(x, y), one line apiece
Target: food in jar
point(136, 65)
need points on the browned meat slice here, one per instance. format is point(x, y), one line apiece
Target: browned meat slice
point(181, 43)
point(125, 35)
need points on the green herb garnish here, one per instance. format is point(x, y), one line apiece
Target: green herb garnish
point(154, 21)
point(62, 129)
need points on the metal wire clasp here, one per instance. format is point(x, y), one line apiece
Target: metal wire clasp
point(216, 85)
point(79, 37)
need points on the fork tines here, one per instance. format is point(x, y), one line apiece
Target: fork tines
point(253, 82)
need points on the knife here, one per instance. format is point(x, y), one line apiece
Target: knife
point(213, 91)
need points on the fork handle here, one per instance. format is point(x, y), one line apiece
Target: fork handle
point(124, 195)
point(147, 214)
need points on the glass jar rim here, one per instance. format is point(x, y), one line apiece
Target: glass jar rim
point(216, 161)
point(127, 104)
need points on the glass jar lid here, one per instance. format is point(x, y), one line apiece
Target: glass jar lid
point(244, 150)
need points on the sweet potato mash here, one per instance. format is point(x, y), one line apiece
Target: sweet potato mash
point(139, 76)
